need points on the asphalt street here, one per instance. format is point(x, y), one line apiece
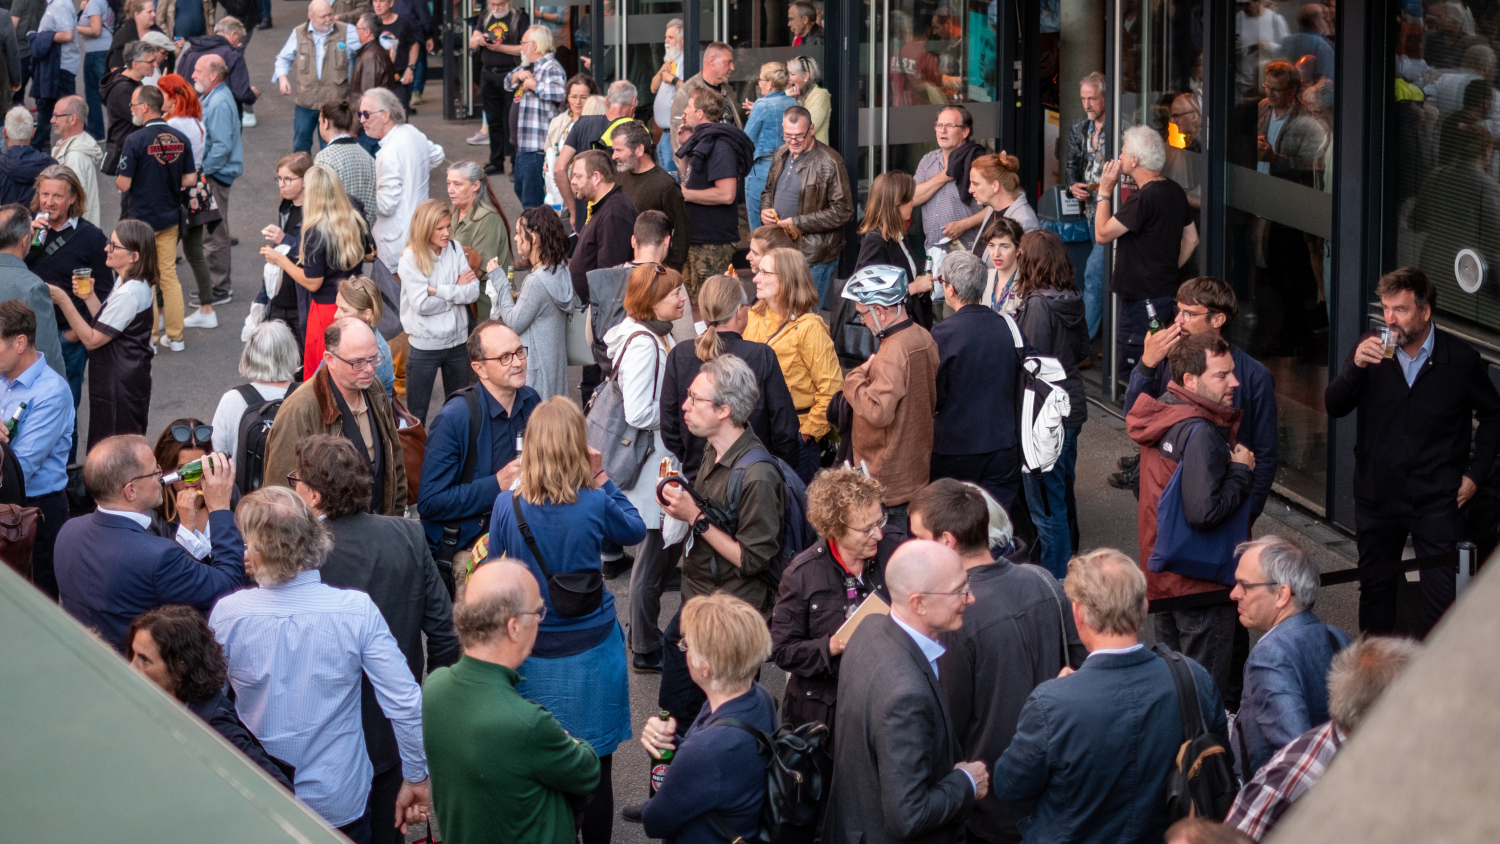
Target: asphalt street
point(189, 383)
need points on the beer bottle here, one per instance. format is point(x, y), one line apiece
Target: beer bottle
point(659, 766)
point(190, 473)
point(14, 422)
point(1154, 325)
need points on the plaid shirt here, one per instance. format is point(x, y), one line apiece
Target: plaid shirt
point(538, 107)
point(1290, 773)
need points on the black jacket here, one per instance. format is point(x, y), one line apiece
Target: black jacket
point(874, 249)
point(774, 419)
point(19, 167)
point(894, 747)
point(976, 383)
point(1078, 152)
point(1052, 321)
point(388, 559)
point(239, 77)
point(1412, 446)
point(218, 710)
point(811, 607)
point(116, 90)
point(605, 240)
point(1011, 642)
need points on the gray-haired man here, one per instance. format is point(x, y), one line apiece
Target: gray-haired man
point(1286, 690)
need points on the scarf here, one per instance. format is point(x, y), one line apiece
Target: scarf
point(960, 161)
point(659, 327)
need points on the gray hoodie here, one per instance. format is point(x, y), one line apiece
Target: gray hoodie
point(539, 314)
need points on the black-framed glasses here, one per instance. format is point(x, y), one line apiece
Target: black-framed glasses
point(198, 434)
point(796, 138)
point(361, 364)
point(110, 246)
point(704, 399)
point(505, 358)
point(152, 474)
point(292, 480)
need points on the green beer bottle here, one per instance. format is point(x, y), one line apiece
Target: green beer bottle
point(14, 422)
point(659, 766)
point(191, 473)
point(1154, 325)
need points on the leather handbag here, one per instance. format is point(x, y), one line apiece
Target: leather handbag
point(413, 439)
point(18, 526)
point(574, 593)
point(580, 350)
point(624, 447)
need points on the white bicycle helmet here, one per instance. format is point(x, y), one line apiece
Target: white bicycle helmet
point(877, 284)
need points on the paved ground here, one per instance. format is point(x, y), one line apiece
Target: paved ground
point(190, 383)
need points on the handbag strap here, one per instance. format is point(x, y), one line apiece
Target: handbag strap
point(515, 506)
point(1062, 624)
point(614, 373)
point(1187, 692)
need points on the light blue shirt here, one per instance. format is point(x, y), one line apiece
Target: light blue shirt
point(45, 431)
point(320, 46)
point(223, 151)
point(62, 16)
point(1411, 366)
point(296, 653)
point(1274, 126)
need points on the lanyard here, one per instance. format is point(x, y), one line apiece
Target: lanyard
point(851, 583)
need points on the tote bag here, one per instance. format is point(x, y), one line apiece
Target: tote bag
point(1180, 549)
point(624, 447)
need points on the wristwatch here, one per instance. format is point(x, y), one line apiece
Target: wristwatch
point(701, 524)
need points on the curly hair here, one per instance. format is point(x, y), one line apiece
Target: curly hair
point(188, 650)
point(331, 467)
point(834, 497)
point(542, 224)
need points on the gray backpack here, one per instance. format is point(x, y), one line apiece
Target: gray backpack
point(624, 447)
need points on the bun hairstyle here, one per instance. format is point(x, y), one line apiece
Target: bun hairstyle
point(1000, 167)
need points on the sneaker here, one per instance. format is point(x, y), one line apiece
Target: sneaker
point(198, 319)
point(612, 569)
point(479, 139)
point(632, 812)
point(174, 345)
point(223, 298)
point(1129, 461)
point(492, 170)
point(264, 24)
point(247, 121)
point(416, 97)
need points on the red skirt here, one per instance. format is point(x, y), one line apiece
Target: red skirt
point(319, 317)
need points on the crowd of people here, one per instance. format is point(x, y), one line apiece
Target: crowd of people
point(867, 482)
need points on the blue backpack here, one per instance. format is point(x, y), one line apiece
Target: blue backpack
point(796, 534)
point(1180, 549)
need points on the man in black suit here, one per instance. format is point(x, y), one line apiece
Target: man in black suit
point(388, 559)
point(1413, 469)
point(896, 769)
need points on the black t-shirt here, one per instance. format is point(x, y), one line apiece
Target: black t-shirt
point(155, 158)
point(401, 34)
point(508, 29)
point(716, 223)
point(586, 130)
point(1146, 257)
point(318, 263)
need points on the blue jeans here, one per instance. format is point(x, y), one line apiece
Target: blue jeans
point(664, 155)
point(755, 182)
point(1093, 289)
point(265, 9)
point(304, 129)
point(1047, 491)
point(822, 275)
point(530, 188)
point(419, 70)
point(93, 74)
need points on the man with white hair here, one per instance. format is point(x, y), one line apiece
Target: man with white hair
point(540, 85)
point(592, 131)
point(1154, 233)
point(402, 166)
point(21, 163)
point(329, 43)
point(897, 769)
point(1275, 587)
point(77, 149)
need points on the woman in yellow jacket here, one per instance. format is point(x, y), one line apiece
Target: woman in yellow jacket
point(786, 319)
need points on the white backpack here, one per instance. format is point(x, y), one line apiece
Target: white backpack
point(1041, 405)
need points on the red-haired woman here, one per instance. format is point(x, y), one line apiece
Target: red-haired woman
point(184, 112)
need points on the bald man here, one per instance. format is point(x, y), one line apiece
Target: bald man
point(489, 749)
point(223, 162)
point(896, 769)
point(324, 78)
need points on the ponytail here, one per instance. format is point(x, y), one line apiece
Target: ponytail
point(718, 301)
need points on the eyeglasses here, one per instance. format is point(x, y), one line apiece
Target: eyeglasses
point(111, 246)
point(292, 480)
point(541, 614)
point(1193, 314)
point(694, 398)
point(192, 433)
point(1248, 586)
point(682, 645)
point(796, 138)
point(949, 126)
point(1179, 114)
point(283, 180)
point(1274, 89)
point(505, 358)
point(152, 474)
point(361, 364)
point(962, 593)
point(872, 530)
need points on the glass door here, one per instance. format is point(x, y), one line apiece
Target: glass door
point(761, 32)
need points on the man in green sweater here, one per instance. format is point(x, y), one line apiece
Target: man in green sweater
point(501, 765)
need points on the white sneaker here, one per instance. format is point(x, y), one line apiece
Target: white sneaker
point(174, 345)
point(247, 121)
point(479, 139)
point(198, 319)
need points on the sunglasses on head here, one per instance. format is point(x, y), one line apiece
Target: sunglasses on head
point(202, 434)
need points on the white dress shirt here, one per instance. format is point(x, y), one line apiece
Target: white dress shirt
point(296, 653)
point(194, 542)
point(402, 166)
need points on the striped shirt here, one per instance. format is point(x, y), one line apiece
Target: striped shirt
point(296, 653)
point(1290, 773)
point(538, 107)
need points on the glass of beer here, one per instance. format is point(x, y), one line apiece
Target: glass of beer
point(1388, 342)
point(83, 282)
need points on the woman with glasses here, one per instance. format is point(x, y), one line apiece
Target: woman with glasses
point(182, 515)
point(287, 231)
point(437, 286)
point(119, 339)
point(538, 310)
point(802, 84)
point(570, 507)
point(883, 240)
point(334, 245)
point(786, 319)
point(764, 128)
point(271, 362)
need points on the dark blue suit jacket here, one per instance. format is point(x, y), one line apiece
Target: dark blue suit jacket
point(976, 383)
point(1256, 396)
point(440, 497)
point(1286, 686)
point(1093, 749)
point(110, 570)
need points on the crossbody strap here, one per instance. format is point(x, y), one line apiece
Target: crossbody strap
point(1187, 692)
point(515, 506)
point(1062, 624)
point(471, 457)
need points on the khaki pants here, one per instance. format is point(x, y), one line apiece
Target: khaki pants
point(171, 288)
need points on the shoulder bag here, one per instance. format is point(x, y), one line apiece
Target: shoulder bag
point(624, 447)
point(574, 593)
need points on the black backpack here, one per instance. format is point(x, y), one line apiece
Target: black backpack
point(796, 534)
point(793, 782)
point(1202, 782)
point(254, 432)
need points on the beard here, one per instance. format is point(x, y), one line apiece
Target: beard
point(673, 54)
point(198, 86)
point(137, 120)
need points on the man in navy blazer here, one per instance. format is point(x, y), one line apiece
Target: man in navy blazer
point(1094, 747)
point(111, 567)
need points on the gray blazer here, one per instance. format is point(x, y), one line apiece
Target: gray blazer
point(895, 747)
point(19, 282)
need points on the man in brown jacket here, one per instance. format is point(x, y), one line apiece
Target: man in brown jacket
point(340, 400)
point(372, 67)
point(893, 394)
point(807, 194)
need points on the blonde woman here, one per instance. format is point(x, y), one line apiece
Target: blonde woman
point(360, 297)
point(437, 285)
point(786, 319)
point(571, 507)
point(802, 84)
point(335, 242)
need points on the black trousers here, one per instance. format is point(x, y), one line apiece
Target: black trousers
point(678, 694)
point(1381, 539)
point(422, 367)
point(54, 507)
point(497, 103)
point(1206, 634)
point(597, 823)
point(380, 810)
